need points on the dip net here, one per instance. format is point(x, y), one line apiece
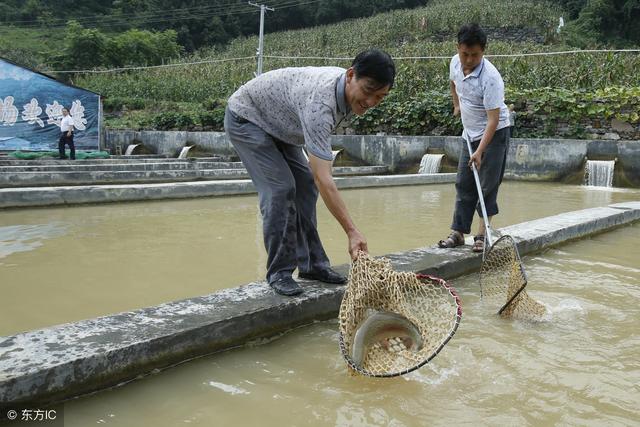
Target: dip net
point(503, 282)
point(427, 302)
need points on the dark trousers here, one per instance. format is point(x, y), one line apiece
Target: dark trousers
point(287, 195)
point(491, 173)
point(64, 139)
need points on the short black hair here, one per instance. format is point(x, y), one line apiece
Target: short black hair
point(376, 65)
point(472, 35)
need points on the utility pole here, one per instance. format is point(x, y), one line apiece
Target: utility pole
point(263, 8)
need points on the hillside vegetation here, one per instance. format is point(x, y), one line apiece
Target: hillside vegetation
point(559, 87)
point(193, 97)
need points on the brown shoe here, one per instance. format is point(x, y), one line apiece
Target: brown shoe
point(455, 239)
point(478, 244)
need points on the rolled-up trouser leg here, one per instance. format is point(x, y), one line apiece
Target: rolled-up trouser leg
point(490, 173)
point(275, 184)
point(310, 253)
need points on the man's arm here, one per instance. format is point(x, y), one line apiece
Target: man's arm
point(454, 97)
point(493, 117)
point(70, 131)
point(331, 196)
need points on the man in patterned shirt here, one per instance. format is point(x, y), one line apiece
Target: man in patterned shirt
point(477, 90)
point(269, 121)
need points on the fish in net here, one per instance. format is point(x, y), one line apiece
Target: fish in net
point(391, 322)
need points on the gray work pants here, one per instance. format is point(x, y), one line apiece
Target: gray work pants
point(491, 173)
point(287, 195)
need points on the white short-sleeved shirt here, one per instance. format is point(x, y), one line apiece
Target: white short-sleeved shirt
point(479, 91)
point(299, 106)
point(66, 123)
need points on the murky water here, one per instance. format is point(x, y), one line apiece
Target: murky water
point(65, 264)
point(581, 368)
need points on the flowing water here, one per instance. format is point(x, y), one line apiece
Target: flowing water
point(430, 163)
point(599, 173)
point(580, 368)
point(70, 263)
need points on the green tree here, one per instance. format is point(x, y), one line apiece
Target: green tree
point(140, 47)
point(600, 22)
point(84, 48)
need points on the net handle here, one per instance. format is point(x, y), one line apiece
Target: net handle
point(481, 198)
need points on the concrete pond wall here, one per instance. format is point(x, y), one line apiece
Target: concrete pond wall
point(528, 159)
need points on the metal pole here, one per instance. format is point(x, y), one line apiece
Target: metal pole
point(263, 8)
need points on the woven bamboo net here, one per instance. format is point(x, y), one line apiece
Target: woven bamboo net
point(503, 281)
point(427, 302)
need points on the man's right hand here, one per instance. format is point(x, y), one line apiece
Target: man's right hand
point(357, 242)
point(456, 111)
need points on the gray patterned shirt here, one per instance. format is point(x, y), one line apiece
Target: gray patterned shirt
point(478, 91)
point(299, 106)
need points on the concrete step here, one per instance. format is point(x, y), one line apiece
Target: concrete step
point(56, 178)
point(122, 167)
point(10, 161)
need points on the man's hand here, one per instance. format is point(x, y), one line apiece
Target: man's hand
point(456, 111)
point(357, 242)
point(69, 133)
point(476, 158)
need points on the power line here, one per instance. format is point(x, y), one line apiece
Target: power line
point(168, 12)
point(147, 67)
point(158, 19)
point(226, 9)
point(344, 58)
point(513, 55)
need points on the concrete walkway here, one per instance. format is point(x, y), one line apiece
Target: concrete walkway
point(142, 173)
point(57, 363)
point(82, 194)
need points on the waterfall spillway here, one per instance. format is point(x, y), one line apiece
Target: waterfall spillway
point(430, 163)
point(599, 173)
point(130, 149)
point(184, 151)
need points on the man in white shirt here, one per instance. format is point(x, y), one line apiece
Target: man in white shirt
point(66, 135)
point(477, 89)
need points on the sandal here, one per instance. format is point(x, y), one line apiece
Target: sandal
point(478, 244)
point(454, 239)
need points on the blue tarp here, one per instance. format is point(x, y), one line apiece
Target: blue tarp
point(31, 109)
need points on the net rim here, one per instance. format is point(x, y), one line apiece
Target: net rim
point(425, 279)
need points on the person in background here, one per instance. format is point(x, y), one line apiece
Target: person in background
point(477, 90)
point(66, 136)
point(512, 120)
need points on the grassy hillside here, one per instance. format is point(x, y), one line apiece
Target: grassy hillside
point(29, 47)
